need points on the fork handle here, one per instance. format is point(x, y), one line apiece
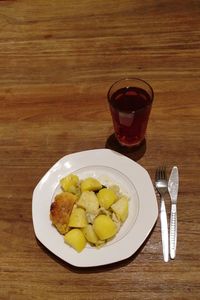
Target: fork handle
point(164, 231)
point(173, 231)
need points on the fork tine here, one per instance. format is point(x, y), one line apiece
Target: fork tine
point(163, 172)
point(156, 175)
point(160, 173)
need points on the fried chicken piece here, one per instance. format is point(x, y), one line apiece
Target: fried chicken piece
point(61, 209)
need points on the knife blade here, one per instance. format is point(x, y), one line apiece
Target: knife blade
point(173, 185)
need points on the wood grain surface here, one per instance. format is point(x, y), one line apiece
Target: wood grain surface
point(57, 62)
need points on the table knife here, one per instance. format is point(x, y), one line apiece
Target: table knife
point(173, 185)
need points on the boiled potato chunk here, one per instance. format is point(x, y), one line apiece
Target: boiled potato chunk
point(90, 184)
point(78, 218)
point(88, 200)
point(121, 208)
point(104, 227)
point(90, 234)
point(76, 239)
point(70, 183)
point(106, 197)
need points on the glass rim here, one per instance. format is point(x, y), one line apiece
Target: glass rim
point(131, 78)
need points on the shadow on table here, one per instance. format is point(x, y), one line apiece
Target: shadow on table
point(96, 269)
point(134, 153)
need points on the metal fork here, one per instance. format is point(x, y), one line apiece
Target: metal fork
point(161, 186)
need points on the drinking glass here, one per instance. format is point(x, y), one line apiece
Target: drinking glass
point(130, 101)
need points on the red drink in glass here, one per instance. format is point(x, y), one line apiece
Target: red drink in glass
point(130, 103)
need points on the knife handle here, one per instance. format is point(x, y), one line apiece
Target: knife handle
point(164, 231)
point(173, 231)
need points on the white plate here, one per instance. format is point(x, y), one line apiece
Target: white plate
point(109, 167)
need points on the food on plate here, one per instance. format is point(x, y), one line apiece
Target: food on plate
point(121, 208)
point(90, 184)
point(88, 200)
point(104, 227)
point(78, 218)
point(106, 197)
point(90, 234)
point(70, 184)
point(88, 212)
point(61, 209)
point(76, 239)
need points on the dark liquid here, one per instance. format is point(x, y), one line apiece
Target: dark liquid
point(130, 108)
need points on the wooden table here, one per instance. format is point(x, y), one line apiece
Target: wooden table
point(57, 61)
